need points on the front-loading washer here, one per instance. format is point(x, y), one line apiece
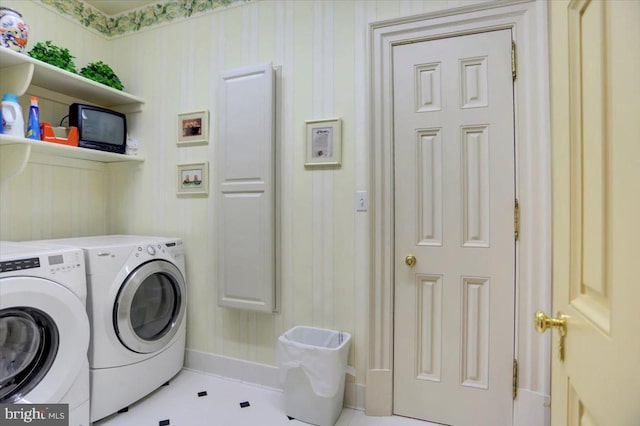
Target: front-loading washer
point(137, 311)
point(44, 329)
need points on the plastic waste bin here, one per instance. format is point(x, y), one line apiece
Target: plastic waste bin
point(313, 363)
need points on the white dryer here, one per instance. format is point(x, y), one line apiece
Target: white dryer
point(44, 329)
point(137, 310)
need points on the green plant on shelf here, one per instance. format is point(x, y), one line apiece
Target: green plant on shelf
point(54, 55)
point(102, 73)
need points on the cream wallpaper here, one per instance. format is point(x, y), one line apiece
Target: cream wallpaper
point(321, 47)
point(51, 201)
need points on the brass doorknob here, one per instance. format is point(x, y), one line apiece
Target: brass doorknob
point(543, 322)
point(410, 260)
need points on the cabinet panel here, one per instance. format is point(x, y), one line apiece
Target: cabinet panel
point(246, 193)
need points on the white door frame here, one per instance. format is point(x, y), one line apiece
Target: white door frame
point(528, 21)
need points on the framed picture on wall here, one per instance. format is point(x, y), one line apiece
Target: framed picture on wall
point(324, 143)
point(193, 128)
point(193, 178)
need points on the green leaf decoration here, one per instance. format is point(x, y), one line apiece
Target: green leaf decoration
point(102, 73)
point(53, 55)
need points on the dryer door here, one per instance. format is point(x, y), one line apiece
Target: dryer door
point(44, 336)
point(150, 306)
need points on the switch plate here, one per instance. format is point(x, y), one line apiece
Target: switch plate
point(362, 201)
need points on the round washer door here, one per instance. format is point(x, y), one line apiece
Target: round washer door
point(150, 306)
point(44, 336)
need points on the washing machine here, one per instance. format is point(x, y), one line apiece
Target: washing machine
point(137, 302)
point(44, 329)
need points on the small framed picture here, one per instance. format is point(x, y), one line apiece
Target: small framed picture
point(193, 178)
point(193, 128)
point(324, 142)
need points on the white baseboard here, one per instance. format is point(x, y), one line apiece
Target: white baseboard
point(232, 368)
point(354, 395)
point(379, 399)
point(258, 374)
point(531, 409)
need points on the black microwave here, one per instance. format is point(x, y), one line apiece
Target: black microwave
point(99, 128)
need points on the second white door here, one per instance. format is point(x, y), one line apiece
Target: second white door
point(454, 211)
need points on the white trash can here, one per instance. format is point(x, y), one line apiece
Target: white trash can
point(313, 363)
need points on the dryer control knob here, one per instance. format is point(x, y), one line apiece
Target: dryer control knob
point(151, 250)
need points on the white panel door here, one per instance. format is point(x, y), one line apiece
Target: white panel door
point(246, 193)
point(595, 64)
point(454, 199)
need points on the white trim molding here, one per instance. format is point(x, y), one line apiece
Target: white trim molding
point(528, 22)
point(232, 368)
point(263, 375)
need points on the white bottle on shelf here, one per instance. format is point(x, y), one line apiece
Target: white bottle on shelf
point(12, 116)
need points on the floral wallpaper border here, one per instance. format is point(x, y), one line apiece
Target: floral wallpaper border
point(147, 16)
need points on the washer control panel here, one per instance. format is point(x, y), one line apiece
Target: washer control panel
point(57, 263)
point(150, 249)
point(19, 264)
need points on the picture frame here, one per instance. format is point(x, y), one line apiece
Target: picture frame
point(193, 128)
point(324, 143)
point(193, 178)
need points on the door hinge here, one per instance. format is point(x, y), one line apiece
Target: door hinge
point(515, 378)
point(516, 220)
point(514, 61)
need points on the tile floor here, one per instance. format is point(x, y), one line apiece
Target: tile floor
point(180, 404)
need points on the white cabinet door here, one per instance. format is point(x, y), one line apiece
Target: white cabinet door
point(245, 191)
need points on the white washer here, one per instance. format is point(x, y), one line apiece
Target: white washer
point(44, 329)
point(137, 310)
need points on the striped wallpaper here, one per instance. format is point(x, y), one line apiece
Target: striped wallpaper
point(325, 243)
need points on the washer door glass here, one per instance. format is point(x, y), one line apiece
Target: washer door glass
point(28, 345)
point(150, 307)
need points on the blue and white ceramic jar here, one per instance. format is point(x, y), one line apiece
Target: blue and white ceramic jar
point(13, 30)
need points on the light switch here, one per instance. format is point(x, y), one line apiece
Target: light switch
point(362, 201)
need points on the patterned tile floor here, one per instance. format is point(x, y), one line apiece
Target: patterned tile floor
point(198, 399)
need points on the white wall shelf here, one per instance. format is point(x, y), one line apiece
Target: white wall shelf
point(21, 74)
point(15, 154)
point(59, 150)
point(20, 71)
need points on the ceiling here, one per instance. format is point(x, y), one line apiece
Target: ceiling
point(113, 7)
